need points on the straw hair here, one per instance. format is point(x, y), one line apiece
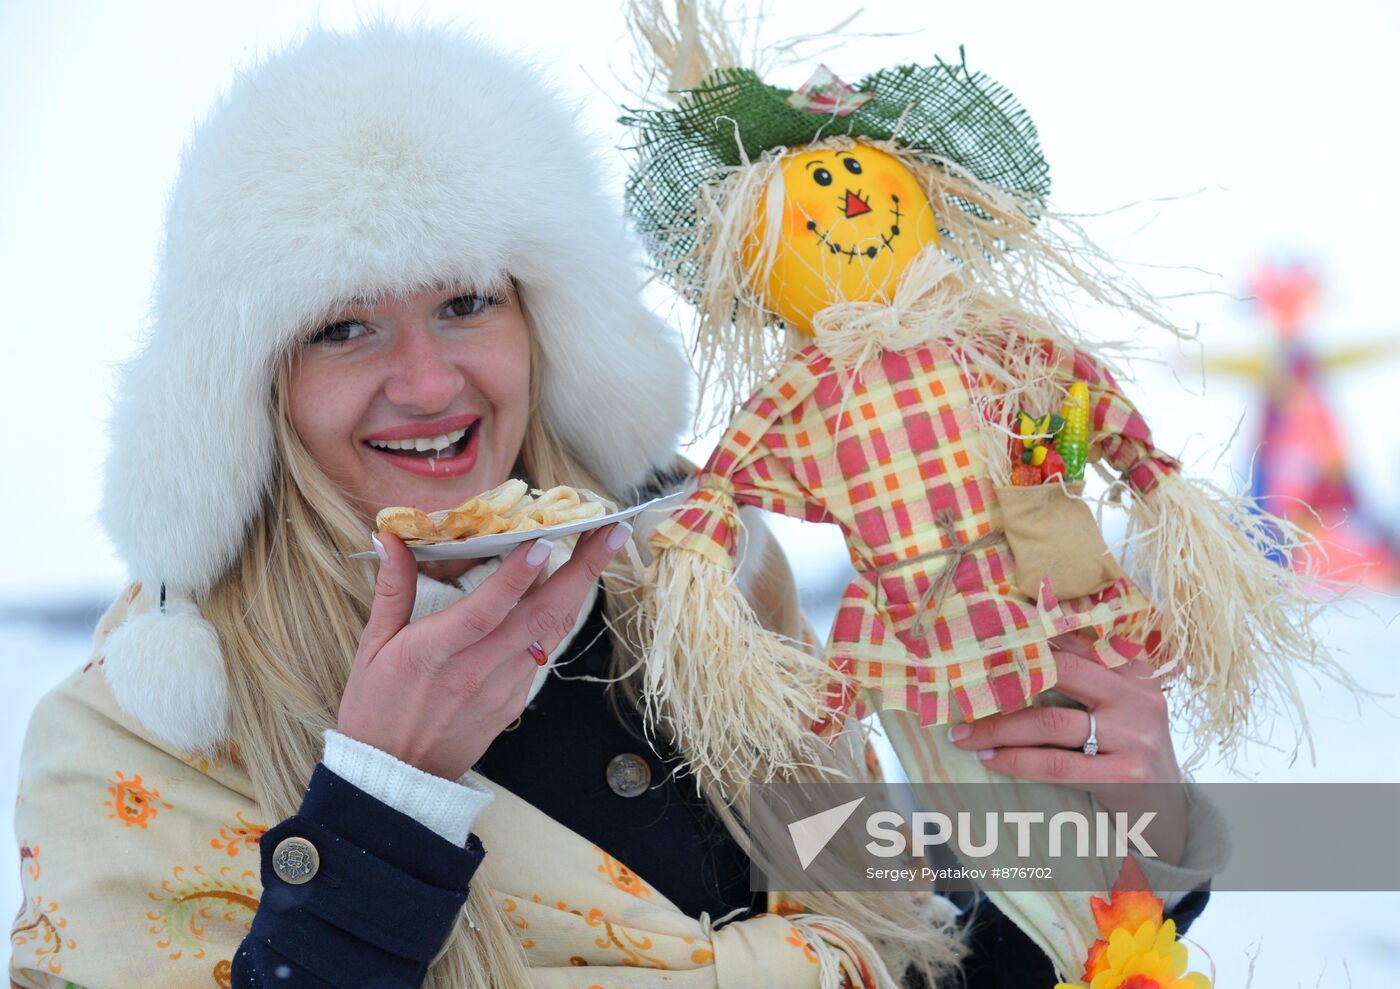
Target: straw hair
point(687, 47)
point(1019, 257)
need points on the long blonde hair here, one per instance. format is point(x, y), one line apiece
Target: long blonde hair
point(289, 615)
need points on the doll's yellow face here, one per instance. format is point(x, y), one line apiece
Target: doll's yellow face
point(852, 221)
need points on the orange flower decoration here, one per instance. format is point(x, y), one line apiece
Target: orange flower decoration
point(784, 908)
point(233, 838)
point(1138, 949)
point(32, 854)
point(620, 876)
point(1127, 908)
point(133, 803)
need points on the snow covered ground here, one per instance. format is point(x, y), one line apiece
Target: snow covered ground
point(1293, 939)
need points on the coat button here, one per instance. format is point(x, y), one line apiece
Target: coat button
point(628, 775)
point(295, 860)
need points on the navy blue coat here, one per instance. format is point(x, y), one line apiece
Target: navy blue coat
point(388, 888)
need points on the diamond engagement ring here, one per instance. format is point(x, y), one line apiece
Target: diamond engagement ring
point(1091, 744)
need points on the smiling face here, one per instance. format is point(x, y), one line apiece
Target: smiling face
point(852, 221)
point(417, 400)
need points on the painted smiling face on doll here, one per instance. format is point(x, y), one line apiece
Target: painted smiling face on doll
point(852, 220)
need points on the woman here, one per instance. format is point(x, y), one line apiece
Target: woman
point(388, 236)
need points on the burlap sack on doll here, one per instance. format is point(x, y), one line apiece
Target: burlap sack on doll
point(1052, 533)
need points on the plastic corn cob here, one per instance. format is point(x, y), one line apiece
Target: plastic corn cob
point(1073, 441)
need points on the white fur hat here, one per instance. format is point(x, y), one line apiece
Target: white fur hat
point(380, 160)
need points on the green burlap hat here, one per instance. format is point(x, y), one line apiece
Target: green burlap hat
point(733, 116)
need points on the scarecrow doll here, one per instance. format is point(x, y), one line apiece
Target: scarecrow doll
point(879, 288)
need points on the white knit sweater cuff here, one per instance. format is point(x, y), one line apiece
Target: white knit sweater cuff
point(449, 808)
point(1206, 853)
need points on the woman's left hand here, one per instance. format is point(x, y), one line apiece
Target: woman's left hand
point(1135, 767)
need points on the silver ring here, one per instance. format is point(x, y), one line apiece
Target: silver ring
point(1091, 744)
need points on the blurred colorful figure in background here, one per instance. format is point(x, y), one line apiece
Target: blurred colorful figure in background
point(1300, 470)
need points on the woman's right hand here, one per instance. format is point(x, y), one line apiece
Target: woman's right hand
point(436, 692)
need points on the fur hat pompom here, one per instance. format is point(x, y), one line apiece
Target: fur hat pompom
point(165, 665)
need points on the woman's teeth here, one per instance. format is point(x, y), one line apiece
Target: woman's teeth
point(421, 444)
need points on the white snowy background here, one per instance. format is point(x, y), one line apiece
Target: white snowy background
point(1241, 131)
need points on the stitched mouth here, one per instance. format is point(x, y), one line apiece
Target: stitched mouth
point(453, 449)
point(854, 251)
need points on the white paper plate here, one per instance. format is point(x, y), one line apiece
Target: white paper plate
point(483, 547)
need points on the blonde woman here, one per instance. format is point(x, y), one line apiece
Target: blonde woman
point(390, 277)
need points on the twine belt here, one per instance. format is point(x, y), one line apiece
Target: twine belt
point(939, 587)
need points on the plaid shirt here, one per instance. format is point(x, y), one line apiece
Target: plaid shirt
point(898, 455)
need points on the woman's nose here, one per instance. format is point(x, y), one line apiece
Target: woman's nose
point(421, 375)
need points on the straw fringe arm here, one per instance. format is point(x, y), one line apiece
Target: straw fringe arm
point(746, 699)
point(1235, 587)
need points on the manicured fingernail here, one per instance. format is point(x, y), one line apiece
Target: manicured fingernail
point(539, 552)
point(985, 754)
point(619, 535)
point(958, 732)
point(379, 549)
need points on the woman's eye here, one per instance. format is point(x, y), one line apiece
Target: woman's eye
point(473, 305)
point(335, 333)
